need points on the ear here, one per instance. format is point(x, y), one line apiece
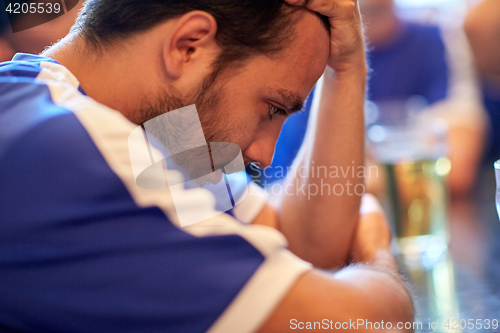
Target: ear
point(192, 41)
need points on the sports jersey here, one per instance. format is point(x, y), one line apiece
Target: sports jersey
point(83, 248)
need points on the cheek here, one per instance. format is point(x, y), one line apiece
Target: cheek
point(247, 133)
point(246, 116)
point(244, 124)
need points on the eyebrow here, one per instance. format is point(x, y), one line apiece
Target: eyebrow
point(292, 101)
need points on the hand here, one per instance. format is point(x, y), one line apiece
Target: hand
point(373, 234)
point(347, 48)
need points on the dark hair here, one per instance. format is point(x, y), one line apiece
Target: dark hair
point(244, 27)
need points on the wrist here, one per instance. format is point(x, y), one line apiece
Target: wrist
point(353, 72)
point(356, 63)
point(358, 71)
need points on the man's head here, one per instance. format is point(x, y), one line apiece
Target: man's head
point(239, 61)
point(244, 28)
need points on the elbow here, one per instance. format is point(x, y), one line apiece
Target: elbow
point(324, 249)
point(328, 253)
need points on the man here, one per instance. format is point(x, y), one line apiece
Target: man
point(411, 58)
point(86, 249)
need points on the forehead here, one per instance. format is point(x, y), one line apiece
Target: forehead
point(301, 63)
point(290, 74)
point(310, 40)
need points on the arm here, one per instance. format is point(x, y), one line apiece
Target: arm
point(371, 291)
point(482, 26)
point(464, 113)
point(466, 150)
point(320, 228)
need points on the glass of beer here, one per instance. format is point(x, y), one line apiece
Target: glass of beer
point(413, 153)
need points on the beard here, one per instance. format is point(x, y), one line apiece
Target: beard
point(207, 97)
point(181, 134)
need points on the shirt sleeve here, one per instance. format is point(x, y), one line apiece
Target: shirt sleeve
point(83, 248)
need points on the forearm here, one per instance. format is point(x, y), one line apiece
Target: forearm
point(318, 213)
point(376, 274)
point(357, 294)
point(482, 27)
point(381, 290)
point(466, 150)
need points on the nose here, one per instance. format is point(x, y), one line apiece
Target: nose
point(261, 150)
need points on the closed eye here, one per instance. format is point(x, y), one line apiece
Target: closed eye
point(273, 109)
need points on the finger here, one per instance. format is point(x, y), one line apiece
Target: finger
point(329, 8)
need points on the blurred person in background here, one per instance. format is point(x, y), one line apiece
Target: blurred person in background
point(482, 26)
point(410, 59)
point(36, 39)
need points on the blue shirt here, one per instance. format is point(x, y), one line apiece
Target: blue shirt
point(413, 63)
point(84, 249)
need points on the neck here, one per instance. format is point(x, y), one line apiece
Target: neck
point(117, 77)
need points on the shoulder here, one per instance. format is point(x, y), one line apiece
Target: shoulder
point(26, 102)
point(73, 205)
